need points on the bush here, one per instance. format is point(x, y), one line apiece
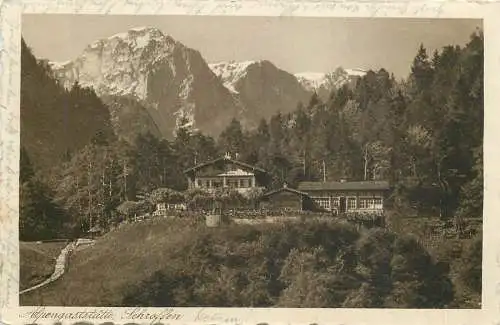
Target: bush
point(471, 265)
point(166, 195)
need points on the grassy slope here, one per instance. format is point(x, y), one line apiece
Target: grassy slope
point(106, 267)
point(37, 261)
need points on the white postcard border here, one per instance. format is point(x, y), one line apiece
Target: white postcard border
point(10, 19)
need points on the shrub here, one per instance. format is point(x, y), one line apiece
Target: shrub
point(166, 195)
point(471, 265)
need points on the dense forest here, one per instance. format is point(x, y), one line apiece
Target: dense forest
point(423, 134)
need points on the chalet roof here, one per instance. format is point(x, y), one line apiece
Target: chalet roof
point(284, 189)
point(344, 186)
point(238, 172)
point(214, 161)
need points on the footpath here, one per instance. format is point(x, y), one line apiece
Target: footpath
point(61, 263)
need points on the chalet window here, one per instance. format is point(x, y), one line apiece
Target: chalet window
point(199, 183)
point(376, 203)
point(323, 203)
point(351, 203)
point(207, 184)
point(370, 203)
point(336, 202)
point(242, 183)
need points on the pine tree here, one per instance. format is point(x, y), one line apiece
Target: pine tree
point(232, 139)
point(421, 70)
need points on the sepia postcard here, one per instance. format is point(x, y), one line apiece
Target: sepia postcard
point(233, 164)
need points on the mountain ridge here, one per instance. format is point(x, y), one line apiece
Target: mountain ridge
point(172, 80)
point(164, 75)
point(323, 83)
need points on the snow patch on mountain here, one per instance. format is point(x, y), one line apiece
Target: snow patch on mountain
point(59, 65)
point(231, 72)
point(312, 80)
point(356, 72)
point(117, 65)
point(139, 37)
point(319, 81)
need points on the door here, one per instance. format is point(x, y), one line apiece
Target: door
point(342, 204)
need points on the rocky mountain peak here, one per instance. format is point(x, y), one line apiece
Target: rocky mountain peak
point(323, 83)
point(160, 72)
point(172, 81)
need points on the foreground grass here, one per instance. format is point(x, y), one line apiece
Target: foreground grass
point(37, 261)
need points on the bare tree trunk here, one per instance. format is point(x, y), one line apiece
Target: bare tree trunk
point(443, 195)
point(366, 162)
point(164, 180)
point(324, 171)
point(413, 166)
point(79, 201)
point(304, 163)
point(90, 193)
point(125, 180)
point(110, 176)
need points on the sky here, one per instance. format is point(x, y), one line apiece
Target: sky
point(294, 44)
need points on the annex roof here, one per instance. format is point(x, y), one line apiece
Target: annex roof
point(284, 189)
point(343, 186)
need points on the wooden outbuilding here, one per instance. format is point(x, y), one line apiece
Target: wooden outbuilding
point(286, 198)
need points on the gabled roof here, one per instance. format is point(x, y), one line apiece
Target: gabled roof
point(344, 186)
point(284, 189)
point(236, 162)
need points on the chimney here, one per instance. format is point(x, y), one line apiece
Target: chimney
point(227, 155)
point(236, 155)
point(285, 185)
point(343, 180)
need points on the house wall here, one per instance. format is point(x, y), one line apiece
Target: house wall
point(227, 174)
point(209, 178)
point(355, 201)
point(242, 184)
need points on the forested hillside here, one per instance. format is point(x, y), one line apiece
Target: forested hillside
point(424, 134)
point(56, 122)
